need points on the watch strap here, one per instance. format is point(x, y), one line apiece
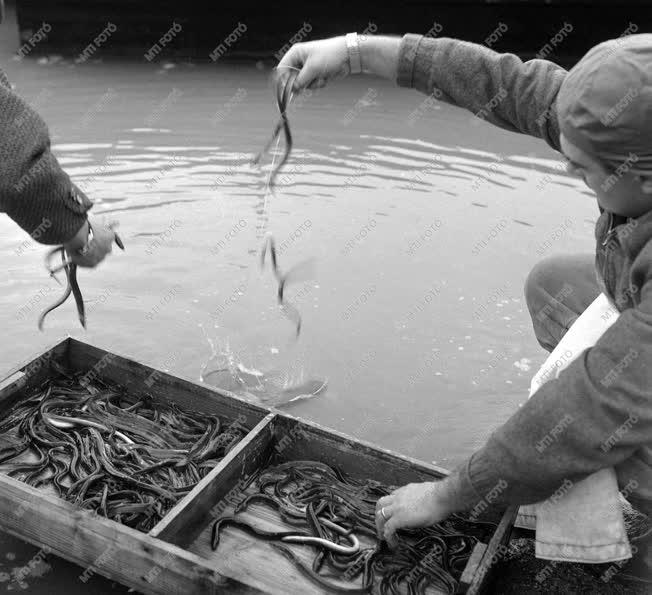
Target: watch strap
point(353, 48)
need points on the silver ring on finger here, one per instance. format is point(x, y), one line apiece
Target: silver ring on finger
point(382, 513)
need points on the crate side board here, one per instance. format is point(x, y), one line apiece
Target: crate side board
point(494, 551)
point(184, 392)
point(10, 386)
point(29, 373)
point(117, 552)
point(186, 520)
point(472, 566)
point(302, 439)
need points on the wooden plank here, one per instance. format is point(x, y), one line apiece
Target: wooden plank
point(495, 550)
point(303, 439)
point(36, 368)
point(133, 558)
point(30, 373)
point(187, 393)
point(471, 566)
point(10, 384)
point(185, 521)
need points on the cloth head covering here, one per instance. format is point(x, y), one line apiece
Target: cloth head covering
point(604, 105)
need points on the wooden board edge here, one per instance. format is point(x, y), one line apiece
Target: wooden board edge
point(495, 549)
point(261, 433)
point(105, 547)
point(370, 447)
point(60, 346)
point(11, 384)
point(76, 344)
point(471, 567)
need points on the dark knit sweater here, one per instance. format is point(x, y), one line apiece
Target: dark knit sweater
point(34, 191)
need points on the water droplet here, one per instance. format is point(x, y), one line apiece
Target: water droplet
point(523, 364)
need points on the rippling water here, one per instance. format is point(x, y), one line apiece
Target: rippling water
point(422, 224)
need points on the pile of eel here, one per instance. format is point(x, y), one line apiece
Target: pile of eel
point(330, 512)
point(121, 455)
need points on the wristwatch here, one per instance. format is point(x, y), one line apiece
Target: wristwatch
point(353, 47)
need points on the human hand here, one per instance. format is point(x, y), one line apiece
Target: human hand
point(319, 61)
point(411, 506)
point(89, 253)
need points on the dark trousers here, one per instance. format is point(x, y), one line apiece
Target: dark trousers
point(557, 291)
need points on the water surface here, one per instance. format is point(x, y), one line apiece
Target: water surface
point(423, 223)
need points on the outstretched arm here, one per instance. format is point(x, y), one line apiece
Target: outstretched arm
point(516, 95)
point(35, 192)
point(500, 88)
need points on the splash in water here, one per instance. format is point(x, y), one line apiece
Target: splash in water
point(240, 373)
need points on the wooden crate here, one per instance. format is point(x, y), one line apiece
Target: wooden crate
point(175, 556)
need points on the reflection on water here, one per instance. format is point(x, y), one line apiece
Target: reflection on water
point(422, 231)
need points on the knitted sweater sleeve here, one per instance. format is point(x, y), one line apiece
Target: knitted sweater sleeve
point(500, 88)
point(34, 191)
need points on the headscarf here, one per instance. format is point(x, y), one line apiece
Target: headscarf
point(604, 105)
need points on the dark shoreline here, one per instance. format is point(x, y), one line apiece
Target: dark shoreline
point(195, 30)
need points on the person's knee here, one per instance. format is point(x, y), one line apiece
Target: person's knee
point(542, 282)
point(545, 291)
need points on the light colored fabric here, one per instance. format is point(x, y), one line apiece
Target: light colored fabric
point(582, 521)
